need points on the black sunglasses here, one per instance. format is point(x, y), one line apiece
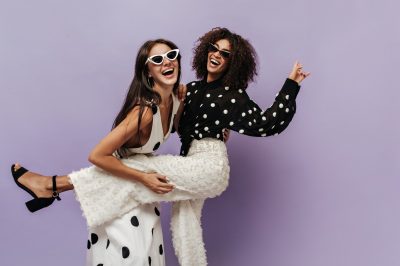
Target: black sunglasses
point(213, 48)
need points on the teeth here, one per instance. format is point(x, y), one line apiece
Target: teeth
point(168, 71)
point(215, 62)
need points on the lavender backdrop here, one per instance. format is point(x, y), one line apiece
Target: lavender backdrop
point(323, 193)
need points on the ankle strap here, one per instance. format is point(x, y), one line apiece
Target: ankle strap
point(55, 192)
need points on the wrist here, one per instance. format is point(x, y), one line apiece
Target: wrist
point(141, 177)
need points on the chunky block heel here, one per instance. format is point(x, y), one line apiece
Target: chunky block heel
point(36, 203)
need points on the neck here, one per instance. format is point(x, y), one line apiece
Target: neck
point(164, 91)
point(211, 77)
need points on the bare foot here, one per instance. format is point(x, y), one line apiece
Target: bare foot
point(39, 184)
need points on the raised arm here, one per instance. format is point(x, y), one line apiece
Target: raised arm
point(252, 120)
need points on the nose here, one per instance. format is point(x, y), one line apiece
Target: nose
point(217, 54)
point(166, 62)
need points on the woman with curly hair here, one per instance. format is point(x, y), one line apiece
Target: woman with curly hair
point(225, 63)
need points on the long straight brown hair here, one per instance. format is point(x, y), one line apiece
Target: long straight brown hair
point(141, 91)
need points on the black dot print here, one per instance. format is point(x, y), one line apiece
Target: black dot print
point(88, 244)
point(152, 231)
point(154, 109)
point(160, 249)
point(125, 252)
point(94, 238)
point(108, 243)
point(101, 264)
point(156, 211)
point(149, 261)
point(156, 146)
point(135, 221)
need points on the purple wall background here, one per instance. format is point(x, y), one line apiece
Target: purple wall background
point(323, 193)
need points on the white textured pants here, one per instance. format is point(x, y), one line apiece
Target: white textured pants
point(203, 173)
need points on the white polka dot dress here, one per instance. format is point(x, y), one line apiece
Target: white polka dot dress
point(136, 237)
point(133, 239)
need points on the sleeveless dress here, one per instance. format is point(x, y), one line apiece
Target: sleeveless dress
point(134, 239)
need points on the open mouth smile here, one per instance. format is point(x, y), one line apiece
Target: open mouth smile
point(168, 72)
point(215, 62)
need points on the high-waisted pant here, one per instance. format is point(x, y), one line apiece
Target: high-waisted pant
point(202, 174)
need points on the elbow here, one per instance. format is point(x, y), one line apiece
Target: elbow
point(93, 158)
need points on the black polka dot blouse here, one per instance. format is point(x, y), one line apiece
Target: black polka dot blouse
point(211, 107)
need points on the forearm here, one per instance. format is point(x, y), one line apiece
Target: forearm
point(114, 166)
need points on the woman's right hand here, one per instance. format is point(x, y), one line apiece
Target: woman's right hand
point(297, 73)
point(157, 183)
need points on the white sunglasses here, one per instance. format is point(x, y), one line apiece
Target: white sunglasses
point(158, 59)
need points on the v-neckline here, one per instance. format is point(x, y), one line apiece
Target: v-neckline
point(169, 118)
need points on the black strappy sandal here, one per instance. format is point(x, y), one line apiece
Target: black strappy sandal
point(36, 203)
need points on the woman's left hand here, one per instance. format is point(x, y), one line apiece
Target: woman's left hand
point(297, 73)
point(182, 92)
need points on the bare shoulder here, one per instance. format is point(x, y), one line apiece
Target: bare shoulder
point(146, 116)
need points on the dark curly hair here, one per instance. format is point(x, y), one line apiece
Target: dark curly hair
point(242, 67)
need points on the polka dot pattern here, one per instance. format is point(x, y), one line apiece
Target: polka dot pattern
point(156, 211)
point(135, 221)
point(125, 252)
point(154, 109)
point(94, 237)
point(230, 108)
point(156, 146)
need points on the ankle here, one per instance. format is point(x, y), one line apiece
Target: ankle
point(49, 183)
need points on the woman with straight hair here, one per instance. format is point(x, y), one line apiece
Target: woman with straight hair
point(142, 125)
